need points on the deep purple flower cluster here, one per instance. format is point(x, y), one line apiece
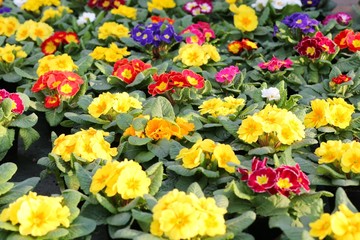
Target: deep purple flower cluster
point(310, 3)
point(155, 34)
point(301, 21)
point(4, 10)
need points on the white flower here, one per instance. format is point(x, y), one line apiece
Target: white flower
point(280, 4)
point(271, 93)
point(259, 4)
point(85, 17)
point(19, 3)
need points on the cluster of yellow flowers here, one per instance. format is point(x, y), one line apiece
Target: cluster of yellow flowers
point(218, 107)
point(272, 126)
point(245, 18)
point(125, 11)
point(112, 29)
point(36, 215)
point(88, 144)
point(205, 152)
point(160, 128)
point(178, 215)
point(110, 104)
point(50, 13)
point(344, 155)
point(11, 52)
point(125, 178)
point(51, 62)
point(8, 26)
point(194, 54)
point(34, 30)
point(35, 5)
point(110, 54)
point(342, 224)
point(160, 4)
point(335, 112)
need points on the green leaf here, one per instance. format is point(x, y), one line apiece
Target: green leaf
point(5, 187)
point(7, 171)
point(144, 219)
point(56, 234)
point(24, 74)
point(71, 200)
point(221, 201)
point(124, 120)
point(195, 189)
point(20, 189)
point(105, 203)
point(8, 226)
point(324, 169)
point(29, 136)
point(132, 204)
point(240, 223)
point(160, 148)
point(271, 205)
point(84, 177)
point(84, 63)
point(119, 219)
point(155, 173)
point(144, 156)
point(191, 172)
point(261, 151)
point(158, 107)
point(133, 140)
point(81, 226)
point(54, 118)
point(127, 233)
point(25, 121)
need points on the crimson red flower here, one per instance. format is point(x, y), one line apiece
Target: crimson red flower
point(3, 94)
point(353, 42)
point(18, 104)
point(161, 85)
point(49, 46)
point(262, 180)
point(157, 19)
point(309, 47)
point(341, 79)
point(235, 47)
point(325, 43)
point(40, 84)
point(193, 78)
point(53, 79)
point(52, 101)
point(71, 37)
point(128, 70)
point(126, 73)
point(105, 4)
point(341, 38)
point(68, 88)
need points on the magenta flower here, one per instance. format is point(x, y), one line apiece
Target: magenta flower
point(227, 75)
point(341, 18)
point(3, 94)
point(262, 180)
point(18, 106)
point(201, 32)
point(275, 64)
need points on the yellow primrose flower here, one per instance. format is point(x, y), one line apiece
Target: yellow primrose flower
point(339, 113)
point(159, 128)
point(98, 53)
point(350, 161)
point(51, 13)
point(11, 52)
point(51, 62)
point(123, 102)
point(245, 18)
point(196, 55)
point(35, 5)
point(112, 29)
point(101, 176)
point(125, 11)
point(114, 53)
point(8, 26)
point(329, 151)
point(160, 4)
point(224, 154)
point(41, 30)
point(133, 183)
point(37, 215)
point(321, 227)
point(191, 157)
point(250, 130)
point(101, 105)
point(183, 216)
point(185, 127)
point(317, 117)
point(211, 106)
